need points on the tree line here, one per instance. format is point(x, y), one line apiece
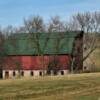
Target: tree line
point(87, 22)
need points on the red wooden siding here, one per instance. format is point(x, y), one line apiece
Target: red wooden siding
point(36, 62)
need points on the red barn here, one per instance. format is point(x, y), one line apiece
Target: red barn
point(38, 54)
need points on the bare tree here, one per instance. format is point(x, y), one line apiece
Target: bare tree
point(96, 24)
point(36, 39)
point(8, 30)
point(71, 25)
point(90, 24)
point(55, 25)
point(54, 64)
point(86, 22)
point(34, 24)
point(35, 27)
point(80, 19)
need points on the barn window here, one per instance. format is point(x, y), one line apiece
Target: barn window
point(62, 72)
point(31, 73)
point(85, 67)
point(55, 72)
point(85, 48)
point(6, 74)
point(40, 73)
point(22, 73)
point(49, 72)
point(14, 74)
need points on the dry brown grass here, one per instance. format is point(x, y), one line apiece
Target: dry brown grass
point(70, 87)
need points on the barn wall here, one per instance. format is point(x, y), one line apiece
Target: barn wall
point(36, 62)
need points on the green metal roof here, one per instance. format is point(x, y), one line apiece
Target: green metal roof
point(23, 43)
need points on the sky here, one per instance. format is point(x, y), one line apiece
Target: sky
point(12, 12)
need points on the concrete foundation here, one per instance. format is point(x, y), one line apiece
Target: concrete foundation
point(11, 74)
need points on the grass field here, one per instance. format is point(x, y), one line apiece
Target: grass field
point(70, 87)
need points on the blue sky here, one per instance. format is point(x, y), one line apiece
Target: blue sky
point(12, 12)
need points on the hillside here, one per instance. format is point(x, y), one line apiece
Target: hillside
point(93, 61)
